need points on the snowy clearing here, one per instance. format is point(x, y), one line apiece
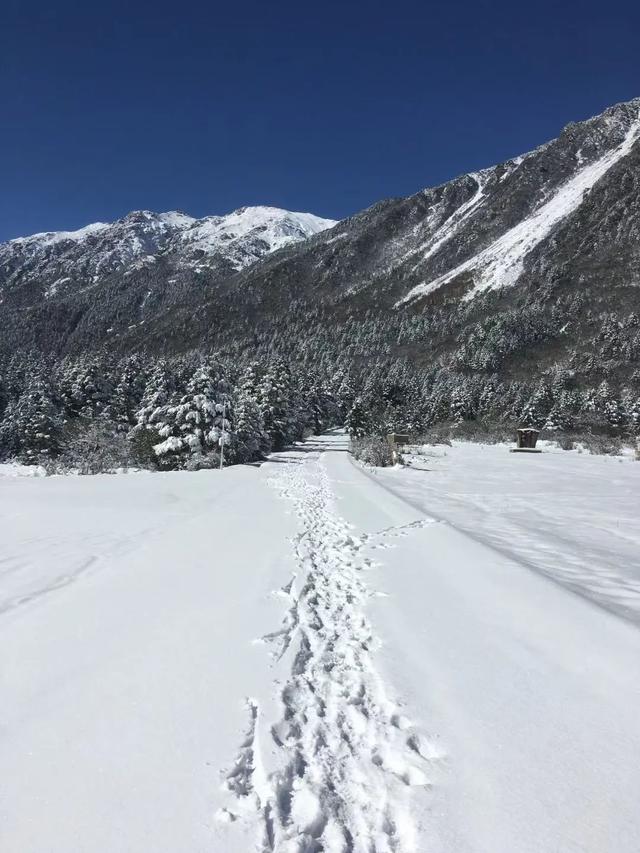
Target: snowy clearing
point(570, 515)
point(294, 659)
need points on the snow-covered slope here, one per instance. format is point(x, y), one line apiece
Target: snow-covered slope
point(502, 262)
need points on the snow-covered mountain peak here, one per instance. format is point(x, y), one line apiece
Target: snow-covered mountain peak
point(89, 254)
point(248, 233)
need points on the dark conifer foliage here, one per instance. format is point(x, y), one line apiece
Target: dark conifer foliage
point(372, 375)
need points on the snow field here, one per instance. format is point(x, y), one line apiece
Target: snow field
point(304, 658)
point(568, 515)
point(121, 693)
point(529, 691)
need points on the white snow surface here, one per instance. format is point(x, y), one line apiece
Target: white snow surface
point(48, 238)
point(235, 233)
point(15, 469)
point(575, 520)
point(304, 657)
point(502, 262)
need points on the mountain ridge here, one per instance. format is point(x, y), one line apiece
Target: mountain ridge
point(99, 249)
point(406, 254)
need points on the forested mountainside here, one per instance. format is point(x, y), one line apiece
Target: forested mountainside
point(506, 295)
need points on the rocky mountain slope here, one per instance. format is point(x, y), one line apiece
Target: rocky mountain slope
point(566, 208)
point(564, 217)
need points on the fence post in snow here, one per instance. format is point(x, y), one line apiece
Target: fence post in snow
point(223, 436)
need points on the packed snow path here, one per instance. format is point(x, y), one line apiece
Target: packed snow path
point(292, 659)
point(344, 749)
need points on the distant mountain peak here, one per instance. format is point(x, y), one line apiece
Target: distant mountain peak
point(89, 254)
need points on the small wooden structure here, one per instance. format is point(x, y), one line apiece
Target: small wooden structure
point(527, 438)
point(396, 439)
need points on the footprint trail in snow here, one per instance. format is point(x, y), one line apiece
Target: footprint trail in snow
point(345, 759)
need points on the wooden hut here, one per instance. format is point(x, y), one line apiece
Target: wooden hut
point(396, 439)
point(527, 438)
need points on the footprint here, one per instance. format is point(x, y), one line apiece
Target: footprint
point(225, 816)
point(414, 777)
point(423, 747)
point(398, 721)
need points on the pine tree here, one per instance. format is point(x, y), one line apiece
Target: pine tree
point(487, 397)
point(461, 405)
point(192, 428)
point(276, 400)
point(317, 405)
point(32, 426)
point(535, 411)
point(84, 387)
point(560, 418)
point(158, 391)
point(615, 414)
point(250, 439)
point(357, 421)
point(345, 393)
point(121, 410)
point(604, 395)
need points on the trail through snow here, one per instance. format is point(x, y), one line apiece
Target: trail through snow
point(343, 755)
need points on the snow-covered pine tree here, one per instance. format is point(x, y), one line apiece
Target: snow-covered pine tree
point(121, 410)
point(318, 408)
point(191, 429)
point(250, 439)
point(487, 398)
point(4, 397)
point(461, 404)
point(560, 418)
point(345, 392)
point(158, 391)
point(535, 411)
point(357, 421)
point(634, 417)
point(84, 387)
point(603, 396)
point(250, 380)
point(615, 414)
point(32, 426)
point(276, 401)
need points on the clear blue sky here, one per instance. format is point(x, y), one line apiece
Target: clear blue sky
point(112, 106)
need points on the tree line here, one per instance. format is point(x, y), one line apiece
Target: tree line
point(94, 413)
